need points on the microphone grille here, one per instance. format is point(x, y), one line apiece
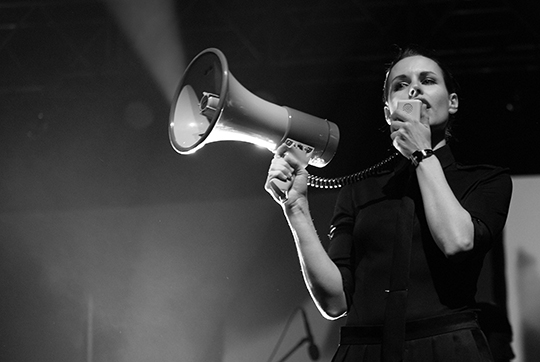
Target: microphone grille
point(408, 108)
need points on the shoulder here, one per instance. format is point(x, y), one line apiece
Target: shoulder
point(481, 168)
point(463, 179)
point(483, 171)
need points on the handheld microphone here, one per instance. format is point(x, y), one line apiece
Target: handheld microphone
point(313, 350)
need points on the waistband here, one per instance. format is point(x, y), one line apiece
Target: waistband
point(416, 329)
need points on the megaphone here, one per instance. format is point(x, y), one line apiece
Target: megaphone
point(210, 105)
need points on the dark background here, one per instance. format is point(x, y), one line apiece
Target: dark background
point(87, 174)
point(69, 76)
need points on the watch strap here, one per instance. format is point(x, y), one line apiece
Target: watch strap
point(419, 155)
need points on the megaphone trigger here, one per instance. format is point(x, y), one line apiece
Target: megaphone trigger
point(298, 151)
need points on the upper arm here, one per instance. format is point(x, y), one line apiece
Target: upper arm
point(488, 203)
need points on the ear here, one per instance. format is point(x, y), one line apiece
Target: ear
point(387, 114)
point(453, 103)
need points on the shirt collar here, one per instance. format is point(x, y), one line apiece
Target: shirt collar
point(445, 156)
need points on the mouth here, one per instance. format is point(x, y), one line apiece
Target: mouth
point(425, 102)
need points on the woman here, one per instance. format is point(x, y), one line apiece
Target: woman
point(407, 244)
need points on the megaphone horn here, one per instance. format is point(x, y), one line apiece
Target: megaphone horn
point(210, 105)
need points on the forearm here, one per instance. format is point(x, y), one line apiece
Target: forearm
point(321, 275)
point(449, 223)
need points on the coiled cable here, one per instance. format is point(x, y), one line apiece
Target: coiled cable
point(338, 182)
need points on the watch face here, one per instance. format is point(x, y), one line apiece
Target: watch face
point(419, 155)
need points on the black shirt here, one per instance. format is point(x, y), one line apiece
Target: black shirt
point(369, 219)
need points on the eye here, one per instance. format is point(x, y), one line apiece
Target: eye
point(429, 80)
point(399, 85)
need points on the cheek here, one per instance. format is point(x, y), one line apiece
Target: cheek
point(442, 104)
point(392, 102)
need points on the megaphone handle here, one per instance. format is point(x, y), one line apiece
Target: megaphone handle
point(302, 155)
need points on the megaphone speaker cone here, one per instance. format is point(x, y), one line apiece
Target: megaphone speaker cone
point(210, 105)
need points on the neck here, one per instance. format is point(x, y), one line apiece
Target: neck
point(438, 137)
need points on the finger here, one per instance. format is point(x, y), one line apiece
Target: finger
point(279, 190)
point(281, 150)
point(397, 125)
point(423, 115)
point(400, 144)
point(280, 169)
point(397, 138)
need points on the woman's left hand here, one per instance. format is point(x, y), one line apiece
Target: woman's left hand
point(408, 134)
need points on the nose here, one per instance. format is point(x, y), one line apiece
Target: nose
point(414, 91)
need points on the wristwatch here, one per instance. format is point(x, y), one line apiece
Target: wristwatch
point(419, 155)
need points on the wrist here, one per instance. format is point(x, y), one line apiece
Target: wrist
point(297, 207)
point(420, 155)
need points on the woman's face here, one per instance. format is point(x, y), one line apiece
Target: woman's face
point(418, 77)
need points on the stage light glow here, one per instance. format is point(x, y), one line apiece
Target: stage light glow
point(155, 33)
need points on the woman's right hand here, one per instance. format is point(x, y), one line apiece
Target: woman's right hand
point(287, 176)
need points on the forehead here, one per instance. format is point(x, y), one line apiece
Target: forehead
point(414, 65)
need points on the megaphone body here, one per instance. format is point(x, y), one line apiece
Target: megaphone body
point(210, 105)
